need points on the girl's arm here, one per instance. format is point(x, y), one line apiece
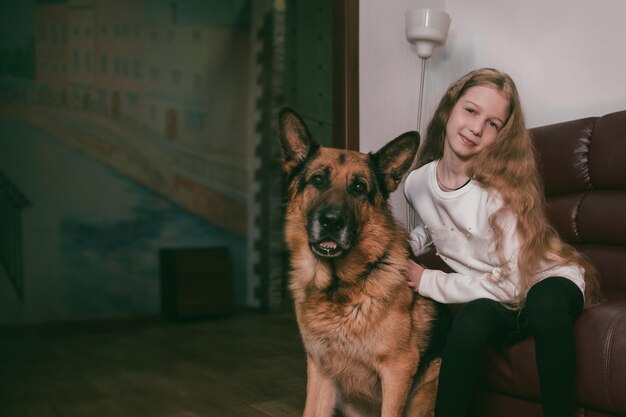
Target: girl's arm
point(452, 288)
point(420, 240)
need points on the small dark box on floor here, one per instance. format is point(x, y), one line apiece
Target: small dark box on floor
point(195, 282)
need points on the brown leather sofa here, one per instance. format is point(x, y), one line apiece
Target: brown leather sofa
point(583, 164)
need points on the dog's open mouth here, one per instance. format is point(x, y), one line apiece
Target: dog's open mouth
point(327, 248)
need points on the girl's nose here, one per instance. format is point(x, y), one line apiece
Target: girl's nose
point(476, 128)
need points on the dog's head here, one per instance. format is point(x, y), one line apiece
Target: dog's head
point(336, 195)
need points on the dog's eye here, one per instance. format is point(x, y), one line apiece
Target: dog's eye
point(358, 187)
point(318, 180)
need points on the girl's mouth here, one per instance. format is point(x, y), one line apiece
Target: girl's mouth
point(467, 141)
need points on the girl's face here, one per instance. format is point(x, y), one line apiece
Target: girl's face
point(475, 121)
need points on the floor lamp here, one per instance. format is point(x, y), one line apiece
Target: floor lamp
point(426, 29)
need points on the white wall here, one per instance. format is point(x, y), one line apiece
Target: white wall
point(565, 56)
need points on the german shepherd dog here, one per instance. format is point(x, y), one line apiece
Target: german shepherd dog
point(372, 343)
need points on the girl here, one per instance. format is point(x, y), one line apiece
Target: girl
point(479, 201)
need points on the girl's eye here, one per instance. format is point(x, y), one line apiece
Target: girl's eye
point(494, 125)
point(358, 187)
point(470, 110)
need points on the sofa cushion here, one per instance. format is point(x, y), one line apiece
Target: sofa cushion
point(563, 152)
point(607, 152)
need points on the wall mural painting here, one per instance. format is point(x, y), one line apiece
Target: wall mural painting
point(121, 129)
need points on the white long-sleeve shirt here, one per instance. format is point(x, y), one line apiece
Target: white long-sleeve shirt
point(457, 224)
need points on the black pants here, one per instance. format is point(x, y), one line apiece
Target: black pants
point(551, 307)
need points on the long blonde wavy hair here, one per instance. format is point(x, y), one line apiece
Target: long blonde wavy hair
point(509, 167)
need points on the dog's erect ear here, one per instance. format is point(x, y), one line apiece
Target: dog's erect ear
point(295, 139)
point(396, 157)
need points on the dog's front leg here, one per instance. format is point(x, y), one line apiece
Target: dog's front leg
point(321, 392)
point(396, 382)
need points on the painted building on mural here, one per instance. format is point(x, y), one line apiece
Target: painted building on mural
point(91, 50)
point(118, 61)
point(194, 94)
point(81, 53)
point(51, 53)
point(174, 74)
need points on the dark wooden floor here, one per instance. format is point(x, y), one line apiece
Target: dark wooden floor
point(246, 365)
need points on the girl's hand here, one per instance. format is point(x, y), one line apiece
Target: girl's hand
point(414, 274)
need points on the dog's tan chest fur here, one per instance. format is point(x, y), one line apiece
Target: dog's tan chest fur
point(344, 337)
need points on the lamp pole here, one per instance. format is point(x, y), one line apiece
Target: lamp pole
point(426, 29)
point(421, 95)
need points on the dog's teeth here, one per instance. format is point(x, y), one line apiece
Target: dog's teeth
point(328, 245)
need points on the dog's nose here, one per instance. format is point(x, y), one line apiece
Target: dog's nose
point(332, 219)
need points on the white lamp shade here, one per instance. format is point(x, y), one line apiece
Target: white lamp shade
point(427, 29)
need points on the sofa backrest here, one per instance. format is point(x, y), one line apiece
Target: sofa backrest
point(583, 164)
